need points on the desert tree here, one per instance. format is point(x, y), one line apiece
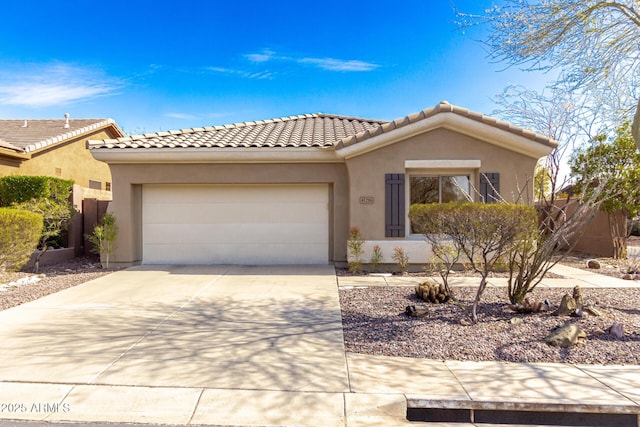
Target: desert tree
point(611, 164)
point(592, 45)
point(480, 234)
point(570, 119)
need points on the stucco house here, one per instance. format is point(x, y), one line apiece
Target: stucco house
point(57, 148)
point(287, 190)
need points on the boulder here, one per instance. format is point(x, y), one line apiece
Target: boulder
point(571, 305)
point(567, 306)
point(528, 306)
point(566, 336)
point(412, 311)
point(594, 264)
point(577, 296)
point(616, 330)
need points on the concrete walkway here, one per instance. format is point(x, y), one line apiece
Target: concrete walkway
point(251, 346)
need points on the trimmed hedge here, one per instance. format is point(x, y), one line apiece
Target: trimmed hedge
point(438, 218)
point(20, 188)
point(19, 235)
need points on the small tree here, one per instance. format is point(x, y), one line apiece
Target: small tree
point(401, 258)
point(482, 233)
point(376, 257)
point(612, 168)
point(354, 245)
point(104, 236)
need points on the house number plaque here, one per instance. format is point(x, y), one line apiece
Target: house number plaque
point(366, 200)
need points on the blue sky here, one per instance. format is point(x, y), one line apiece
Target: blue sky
point(159, 65)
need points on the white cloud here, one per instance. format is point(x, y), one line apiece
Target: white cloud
point(328, 64)
point(182, 116)
point(264, 56)
point(259, 75)
point(332, 64)
point(53, 84)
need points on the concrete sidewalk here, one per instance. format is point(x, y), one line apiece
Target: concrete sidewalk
point(254, 346)
point(570, 277)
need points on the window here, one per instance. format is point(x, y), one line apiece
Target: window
point(96, 185)
point(107, 186)
point(439, 189)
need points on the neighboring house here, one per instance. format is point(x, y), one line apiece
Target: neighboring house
point(56, 148)
point(286, 191)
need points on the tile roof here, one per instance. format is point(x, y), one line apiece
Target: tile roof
point(307, 130)
point(40, 133)
point(445, 107)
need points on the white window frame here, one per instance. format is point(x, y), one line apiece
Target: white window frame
point(437, 168)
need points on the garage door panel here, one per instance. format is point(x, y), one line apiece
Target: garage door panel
point(235, 224)
point(206, 234)
point(258, 254)
point(173, 213)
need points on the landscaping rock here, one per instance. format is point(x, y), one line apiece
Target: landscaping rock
point(566, 336)
point(616, 330)
point(594, 264)
point(528, 307)
point(592, 310)
point(567, 306)
point(412, 311)
point(628, 276)
point(577, 296)
point(571, 305)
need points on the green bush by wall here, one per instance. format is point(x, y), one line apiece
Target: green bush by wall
point(19, 235)
point(20, 188)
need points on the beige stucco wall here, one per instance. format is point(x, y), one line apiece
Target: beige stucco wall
point(130, 178)
point(367, 172)
point(69, 160)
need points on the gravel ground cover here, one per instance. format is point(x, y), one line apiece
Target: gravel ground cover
point(20, 287)
point(374, 323)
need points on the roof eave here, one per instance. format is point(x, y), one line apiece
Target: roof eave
point(531, 147)
point(218, 155)
point(65, 137)
point(6, 152)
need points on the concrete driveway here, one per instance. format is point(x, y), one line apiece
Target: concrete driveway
point(272, 328)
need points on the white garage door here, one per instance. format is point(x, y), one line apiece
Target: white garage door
point(235, 224)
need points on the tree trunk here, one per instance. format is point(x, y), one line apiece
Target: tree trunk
point(476, 301)
point(618, 233)
point(635, 126)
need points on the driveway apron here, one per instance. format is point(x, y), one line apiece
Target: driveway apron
point(222, 327)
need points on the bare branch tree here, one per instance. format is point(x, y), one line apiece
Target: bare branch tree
point(594, 44)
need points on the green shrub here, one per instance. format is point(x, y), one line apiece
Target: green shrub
point(104, 236)
point(354, 246)
point(16, 189)
point(19, 234)
point(44, 195)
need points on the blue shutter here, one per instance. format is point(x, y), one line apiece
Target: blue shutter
point(490, 187)
point(394, 205)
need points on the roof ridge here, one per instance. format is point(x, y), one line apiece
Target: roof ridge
point(239, 125)
point(445, 107)
point(70, 134)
